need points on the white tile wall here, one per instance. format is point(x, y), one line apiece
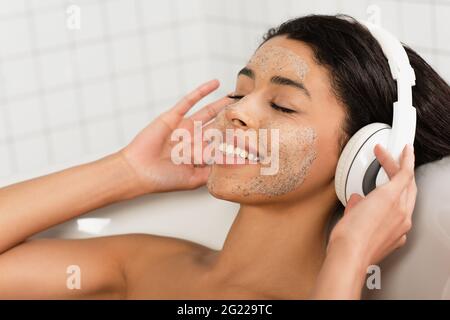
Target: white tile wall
point(25, 117)
point(156, 13)
point(97, 99)
point(9, 7)
point(19, 77)
point(417, 28)
point(56, 69)
point(121, 16)
point(48, 28)
point(92, 24)
point(127, 53)
point(5, 161)
point(91, 61)
point(68, 93)
point(442, 13)
point(20, 42)
point(62, 108)
point(31, 153)
point(132, 91)
point(67, 143)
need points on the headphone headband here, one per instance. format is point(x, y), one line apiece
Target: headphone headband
point(394, 52)
point(358, 170)
point(404, 115)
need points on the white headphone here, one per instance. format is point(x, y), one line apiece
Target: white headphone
point(358, 170)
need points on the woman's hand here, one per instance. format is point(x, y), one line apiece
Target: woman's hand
point(371, 228)
point(149, 154)
point(377, 224)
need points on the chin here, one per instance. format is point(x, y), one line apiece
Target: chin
point(227, 195)
point(227, 188)
point(233, 188)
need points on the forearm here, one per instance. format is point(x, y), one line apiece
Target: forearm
point(342, 275)
point(32, 206)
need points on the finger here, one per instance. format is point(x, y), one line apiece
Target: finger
point(401, 242)
point(408, 197)
point(406, 173)
point(208, 126)
point(397, 243)
point(188, 101)
point(200, 177)
point(385, 159)
point(172, 117)
point(352, 201)
point(411, 197)
point(210, 111)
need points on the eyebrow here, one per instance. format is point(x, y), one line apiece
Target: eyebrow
point(277, 80)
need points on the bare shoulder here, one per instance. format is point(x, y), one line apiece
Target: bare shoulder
point(110, 265)
point(155, 245)
point(172, 268)
point(153, 262)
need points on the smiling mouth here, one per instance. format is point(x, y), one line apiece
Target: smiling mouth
point(230, 150)
point(228, 154)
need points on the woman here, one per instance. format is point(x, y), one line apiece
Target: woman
point(279, 245)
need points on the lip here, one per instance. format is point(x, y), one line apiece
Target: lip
point(226, 160)
point(247, 147)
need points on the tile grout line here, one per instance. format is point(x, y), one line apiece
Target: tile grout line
point(176, 38)
point(90, 121)
point(98, 79)
point(77, 86)
point(120, 134)
point(144, 54)
point(39, 80)
point(9, 142)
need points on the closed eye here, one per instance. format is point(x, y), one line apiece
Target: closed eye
point(282, 109)
point(235, 97)
point(272, 105)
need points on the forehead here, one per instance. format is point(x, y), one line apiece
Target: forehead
point(315, 76)
point(295, 60)
point(281, 49)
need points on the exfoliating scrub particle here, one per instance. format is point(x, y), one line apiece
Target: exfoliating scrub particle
point(276, 59)
point(297, 153)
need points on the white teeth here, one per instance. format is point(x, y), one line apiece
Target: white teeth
point(231, 150)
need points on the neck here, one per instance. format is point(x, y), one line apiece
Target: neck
point(277, 248)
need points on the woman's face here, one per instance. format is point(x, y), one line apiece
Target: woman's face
point(284, 89)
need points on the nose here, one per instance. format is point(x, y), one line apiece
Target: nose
point(239, 116)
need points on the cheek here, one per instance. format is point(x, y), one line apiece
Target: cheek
point(324, 168)
point(296, 154)
point(297, 151)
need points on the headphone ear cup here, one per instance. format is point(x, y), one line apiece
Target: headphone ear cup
point(356, 158)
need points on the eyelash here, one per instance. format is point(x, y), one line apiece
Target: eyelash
point(272, 105)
